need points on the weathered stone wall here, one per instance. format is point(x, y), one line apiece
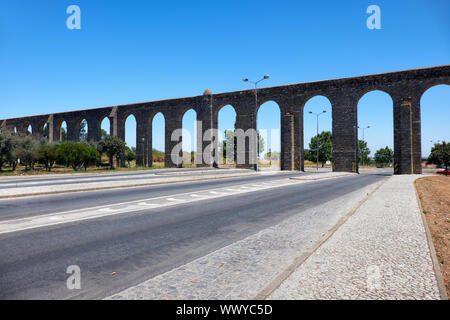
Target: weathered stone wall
point(404, 87)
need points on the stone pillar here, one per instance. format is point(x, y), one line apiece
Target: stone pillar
point(345, 132)
point(94, 129)
point(206, 141)
point(246, 140)
point(53, 132)
point(403, 135)
point(287, 141)
point(36, 129)
point(148, 158)
point(141, 137)
point(416, 135)
point(173, 149)
point(3, 126)
point(73, 130)
point(299, 154)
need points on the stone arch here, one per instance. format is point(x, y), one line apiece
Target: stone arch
point(81, 128)
point(60, 130)
point(375, 110)
point(225, 147)
point(434, 101)
point(190, 135)
point(270, 130)
point(156, 138)
point(132, 126)
point(44, 129)
point(108, 128)
point(316, 113)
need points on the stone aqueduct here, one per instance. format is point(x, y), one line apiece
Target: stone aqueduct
point(404, 87)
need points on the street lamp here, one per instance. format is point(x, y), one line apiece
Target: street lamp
point(317, 125)
point(256, 107)
point(363, 130)
point(362, 139)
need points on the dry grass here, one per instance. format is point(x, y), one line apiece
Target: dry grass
point(434, 195)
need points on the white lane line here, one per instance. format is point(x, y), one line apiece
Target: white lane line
point(107, 210)
point(173, 199)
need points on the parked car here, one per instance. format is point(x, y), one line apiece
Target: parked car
point(443, 172)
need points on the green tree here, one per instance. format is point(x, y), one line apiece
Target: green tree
point(325, 145)
point(261, 143)
point(384, 157)
point(228, 145)
point(76, 155)
point(440, 155)
point(63, 134)
point(307, 154)
point(113, 147)
point(8, 145)
point(83, 131)
point(47, 155)
point(363, 152)
point(27, 150)
point(104, 134)
point(130, 155)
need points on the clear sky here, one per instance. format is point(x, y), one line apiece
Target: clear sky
point(135, 51)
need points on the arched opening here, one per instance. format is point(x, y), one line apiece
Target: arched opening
point(434, 106)
point(46, 131)
point(317, 134)
point(63, 131)
point(268, 124)
point(83, 130)
point(29, 129)
point(105, 127)
point(189, 132)
point(158, 140)
point(375, 130)
point(226, 124)
point(130, 131)
point(130, 140)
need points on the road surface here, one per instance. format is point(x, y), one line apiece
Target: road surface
point(117, 250)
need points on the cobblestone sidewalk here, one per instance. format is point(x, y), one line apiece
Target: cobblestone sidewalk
point(380, 252)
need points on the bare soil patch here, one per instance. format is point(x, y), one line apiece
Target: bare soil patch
point(434, 194)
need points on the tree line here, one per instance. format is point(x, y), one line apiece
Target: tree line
point(22, 149)
point(322, 146)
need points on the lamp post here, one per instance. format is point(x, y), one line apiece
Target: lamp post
point(363, 130)
point(256, 107)
point(317, 126)
point(362, 139)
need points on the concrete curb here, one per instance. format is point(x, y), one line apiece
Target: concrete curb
point(325, 177)
point(434, 259)
point(271, 287)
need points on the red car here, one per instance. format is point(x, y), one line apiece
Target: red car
point(443, 172)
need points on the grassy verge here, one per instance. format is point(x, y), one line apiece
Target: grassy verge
point(434, 197)
point(40, 170)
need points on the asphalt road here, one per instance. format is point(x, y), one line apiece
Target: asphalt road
point(141, 244)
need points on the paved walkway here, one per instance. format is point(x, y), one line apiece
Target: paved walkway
point(380, 252)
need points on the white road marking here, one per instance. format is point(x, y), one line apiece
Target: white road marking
point(127, 207)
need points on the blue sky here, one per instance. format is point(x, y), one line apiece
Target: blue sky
point(134, 51)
